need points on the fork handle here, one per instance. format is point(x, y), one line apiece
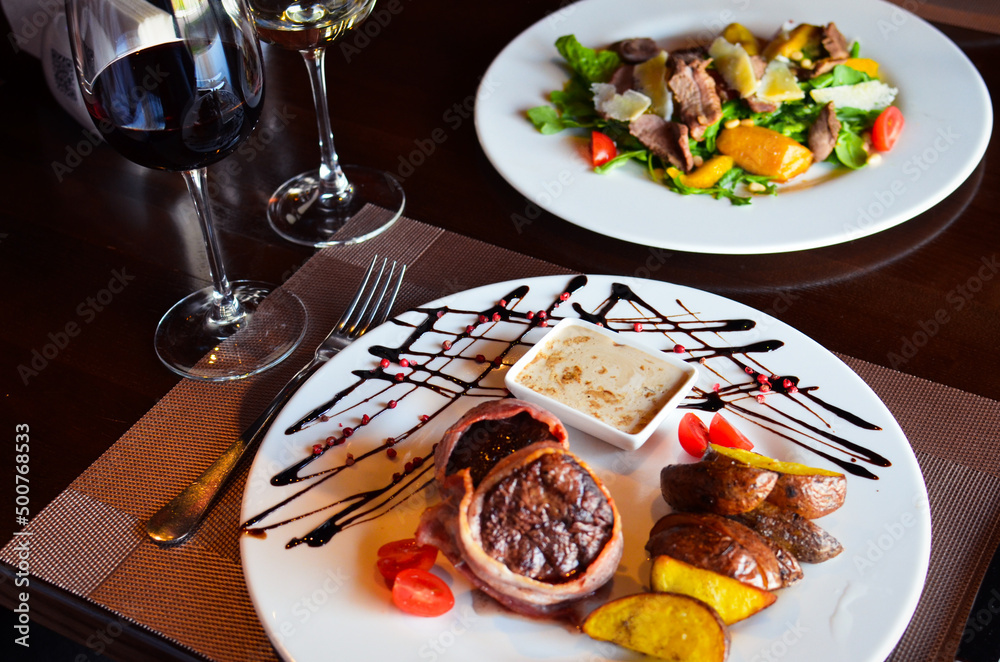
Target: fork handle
point(179, 518)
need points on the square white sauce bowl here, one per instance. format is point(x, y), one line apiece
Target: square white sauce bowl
point(600, 382)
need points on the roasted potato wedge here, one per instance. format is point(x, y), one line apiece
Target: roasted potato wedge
point(803, 538)
point(732, 599)
point(716, 487)
point(809, 491)
point(664, 625)
point(719, 544)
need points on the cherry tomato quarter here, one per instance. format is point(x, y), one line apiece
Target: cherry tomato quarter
point(693, 435)
point(421, 593)
point(399, 555)
point(722, 432)
point(602, 148)
point(888, 125)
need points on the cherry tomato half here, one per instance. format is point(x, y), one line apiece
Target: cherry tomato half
point(399, 555)
point(693, 435)
point(721, 432)
point(421, 593)
point(888, 125)
point(602, 148)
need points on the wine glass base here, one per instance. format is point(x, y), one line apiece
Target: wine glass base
point(193, 344)
point(296, 212)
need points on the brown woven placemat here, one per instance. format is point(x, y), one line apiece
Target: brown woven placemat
point(90, 542)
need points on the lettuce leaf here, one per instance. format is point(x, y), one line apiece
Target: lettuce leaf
point(593, 66)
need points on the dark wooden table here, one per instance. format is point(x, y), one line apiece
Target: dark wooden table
point(108, 246)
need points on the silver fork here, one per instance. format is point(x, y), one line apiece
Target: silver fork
point(178, 519)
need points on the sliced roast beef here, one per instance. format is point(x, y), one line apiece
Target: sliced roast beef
point(539, 533)
point(694, 89)
point(823, 133)
point(668, 140)
point(489, 432)
point(634, 51)
point(825, 65)
point(834, 42)
point(624, 78)
point(758, 105)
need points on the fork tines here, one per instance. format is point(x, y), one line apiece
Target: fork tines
point(357, 320)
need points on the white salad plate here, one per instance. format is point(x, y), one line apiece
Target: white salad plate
point(943, 98)
point(323, 602)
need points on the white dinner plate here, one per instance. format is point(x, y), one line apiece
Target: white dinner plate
point(945, 102)
point(327, 602)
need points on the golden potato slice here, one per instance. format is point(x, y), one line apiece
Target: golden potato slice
point(809, 491)
point(718, 544)
point(716, 487)
point(732, 599)
point(664, 625)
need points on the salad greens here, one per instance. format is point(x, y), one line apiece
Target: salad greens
point(572, 107)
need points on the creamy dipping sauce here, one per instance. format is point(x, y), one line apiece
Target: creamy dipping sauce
point(619, 385)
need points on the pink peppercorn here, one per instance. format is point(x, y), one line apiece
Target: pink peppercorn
point(408, 467)
point(496, 317)
point(542, 314)
point(391, 453)
point(788, 383)
point(760, 398)
point(793, 389)
point(400, 376)
point(424, 418)
point(764, 388)
point(404, 363)
point(366, 419)
point(503, 302)
point(349, 460)
point(440, 314)
point(348, 432)
point(317, 449)
point(762, 379)
point(637, 327)
point(679, 349)
point(417, 461)
point(324, 418)
point(748, 370)
point(446, 344)
point(482, 318)
point(716, 387)
point(480, 358)
point(392, 404)
point(389, 441)
point(543, 323)
point(564, 296)
point(384, 363)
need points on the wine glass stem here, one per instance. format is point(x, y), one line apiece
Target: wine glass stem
point(227, 306)
point(334, 187)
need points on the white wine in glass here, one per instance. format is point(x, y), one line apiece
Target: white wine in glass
point(333, 204)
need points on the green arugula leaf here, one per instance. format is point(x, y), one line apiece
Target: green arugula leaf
point(593, 66)
point(621, 160)
point(546, 119)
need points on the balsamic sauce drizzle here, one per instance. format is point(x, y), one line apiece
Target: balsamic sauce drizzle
point(443, 369)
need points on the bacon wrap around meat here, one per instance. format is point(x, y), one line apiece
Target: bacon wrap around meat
point(492, 410)
point(455, 526)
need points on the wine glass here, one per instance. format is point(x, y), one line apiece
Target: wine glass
point(333, 204)
point(177, 85)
